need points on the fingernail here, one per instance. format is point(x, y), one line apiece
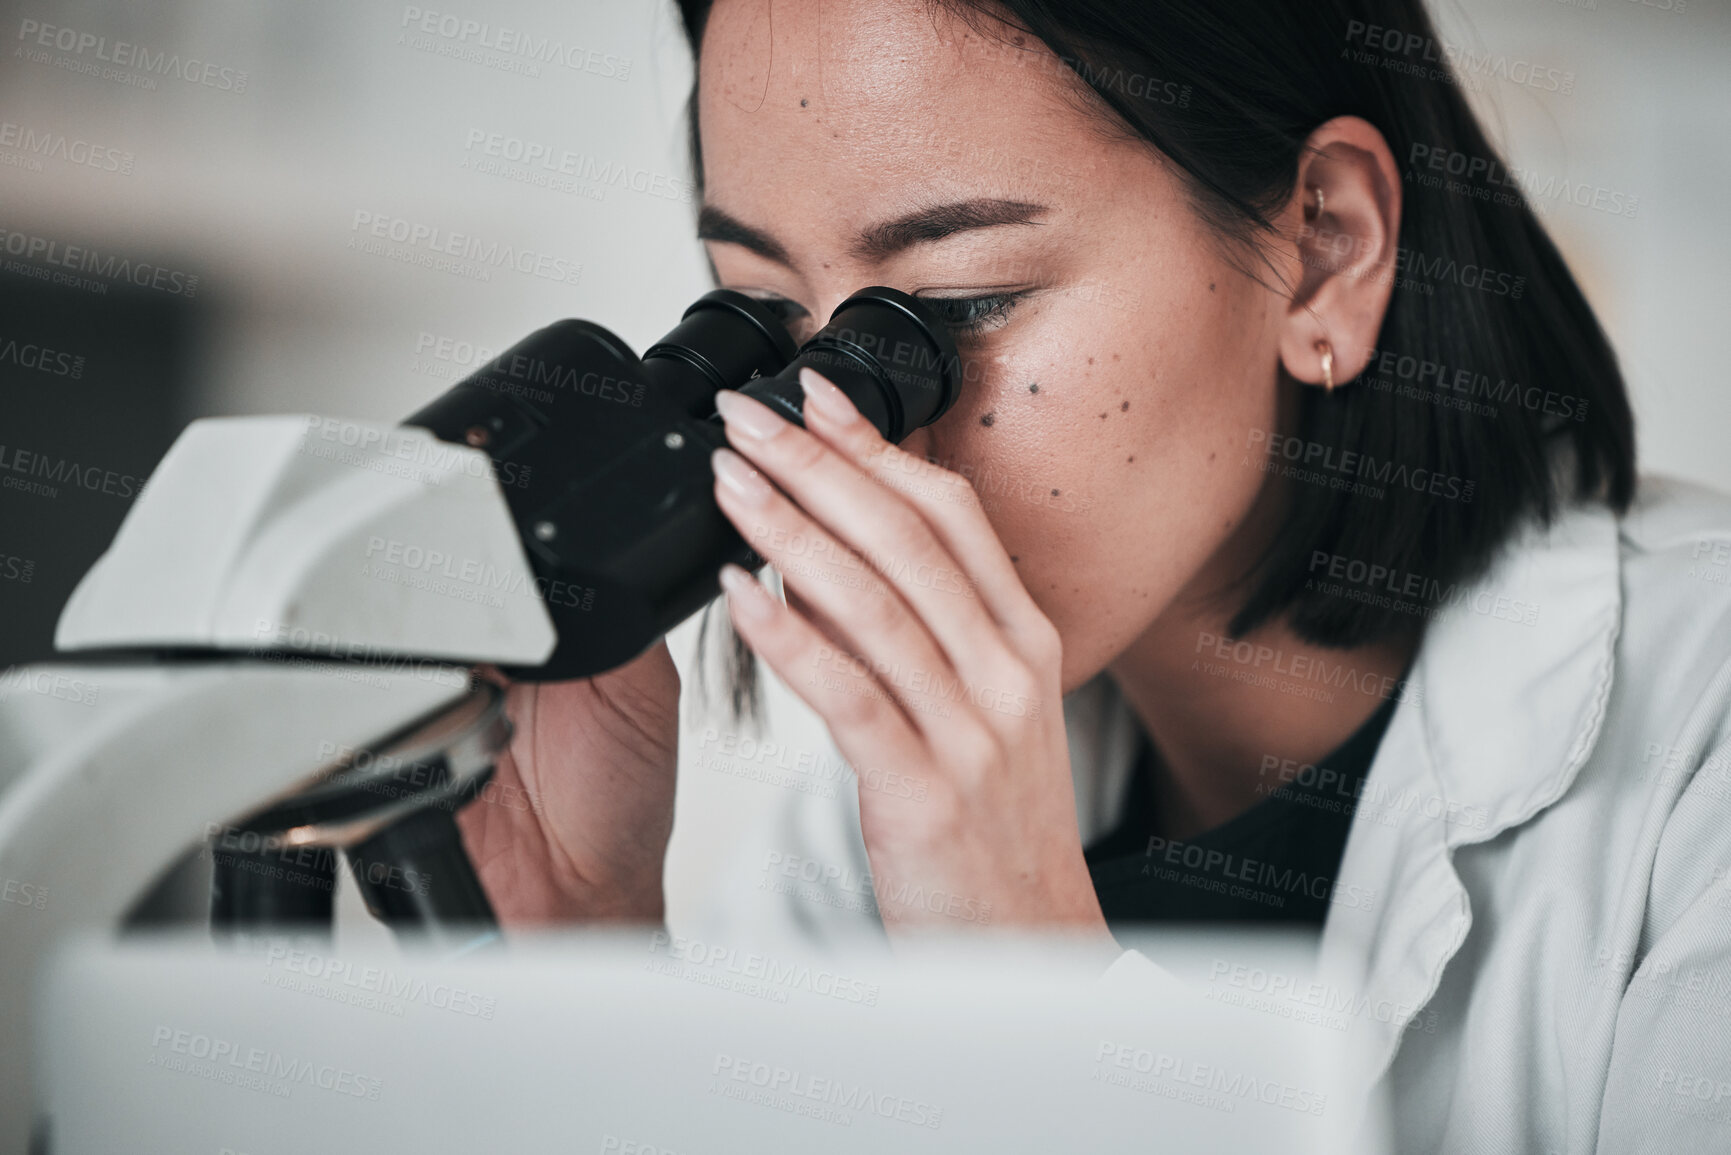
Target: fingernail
point(742, 480)
point(753, 418)
point(748, 599)
point(824, 396)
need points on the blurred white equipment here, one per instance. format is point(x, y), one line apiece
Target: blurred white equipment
point(650, 1044)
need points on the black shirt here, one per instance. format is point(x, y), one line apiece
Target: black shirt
point(1276, 862)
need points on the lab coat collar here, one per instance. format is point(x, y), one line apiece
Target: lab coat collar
point(1499, 717)
point(1513, 710)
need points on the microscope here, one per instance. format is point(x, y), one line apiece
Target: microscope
point(273, 663)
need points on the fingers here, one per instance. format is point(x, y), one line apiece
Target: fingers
point(872, 522)
point(860, 714)
point(880, 627)
point(948, 504)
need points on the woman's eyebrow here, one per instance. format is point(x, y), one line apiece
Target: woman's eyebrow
point(876, 242)
point(715, 224)
point(938, 221)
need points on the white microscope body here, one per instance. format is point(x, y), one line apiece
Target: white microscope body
point(307, 586)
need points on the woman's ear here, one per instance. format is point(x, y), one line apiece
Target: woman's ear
point(1345, 216)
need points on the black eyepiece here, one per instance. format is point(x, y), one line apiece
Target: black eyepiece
point(896, 362)
point(724, 339)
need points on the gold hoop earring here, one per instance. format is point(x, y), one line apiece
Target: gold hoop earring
point(1327, 352)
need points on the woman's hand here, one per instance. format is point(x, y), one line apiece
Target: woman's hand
point(574, 826)
point(908, 630)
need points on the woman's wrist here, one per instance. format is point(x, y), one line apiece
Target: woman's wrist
point(542, 903)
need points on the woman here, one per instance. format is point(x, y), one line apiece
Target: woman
point(1296, 566)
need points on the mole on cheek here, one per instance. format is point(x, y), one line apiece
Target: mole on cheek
point(986, 419)
point(1034, 387)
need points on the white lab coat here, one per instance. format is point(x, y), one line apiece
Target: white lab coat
point(1540, 881)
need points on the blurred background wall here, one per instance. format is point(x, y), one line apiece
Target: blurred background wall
point(244, 191)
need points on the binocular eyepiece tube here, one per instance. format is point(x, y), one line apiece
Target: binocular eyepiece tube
point(614, 494)
point(895, 361)
point(885, 350)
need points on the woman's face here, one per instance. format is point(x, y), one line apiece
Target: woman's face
point(1115, 361)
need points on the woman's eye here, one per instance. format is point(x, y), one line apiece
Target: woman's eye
point(965, 316)
point(786, 311)
point(972, 316)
